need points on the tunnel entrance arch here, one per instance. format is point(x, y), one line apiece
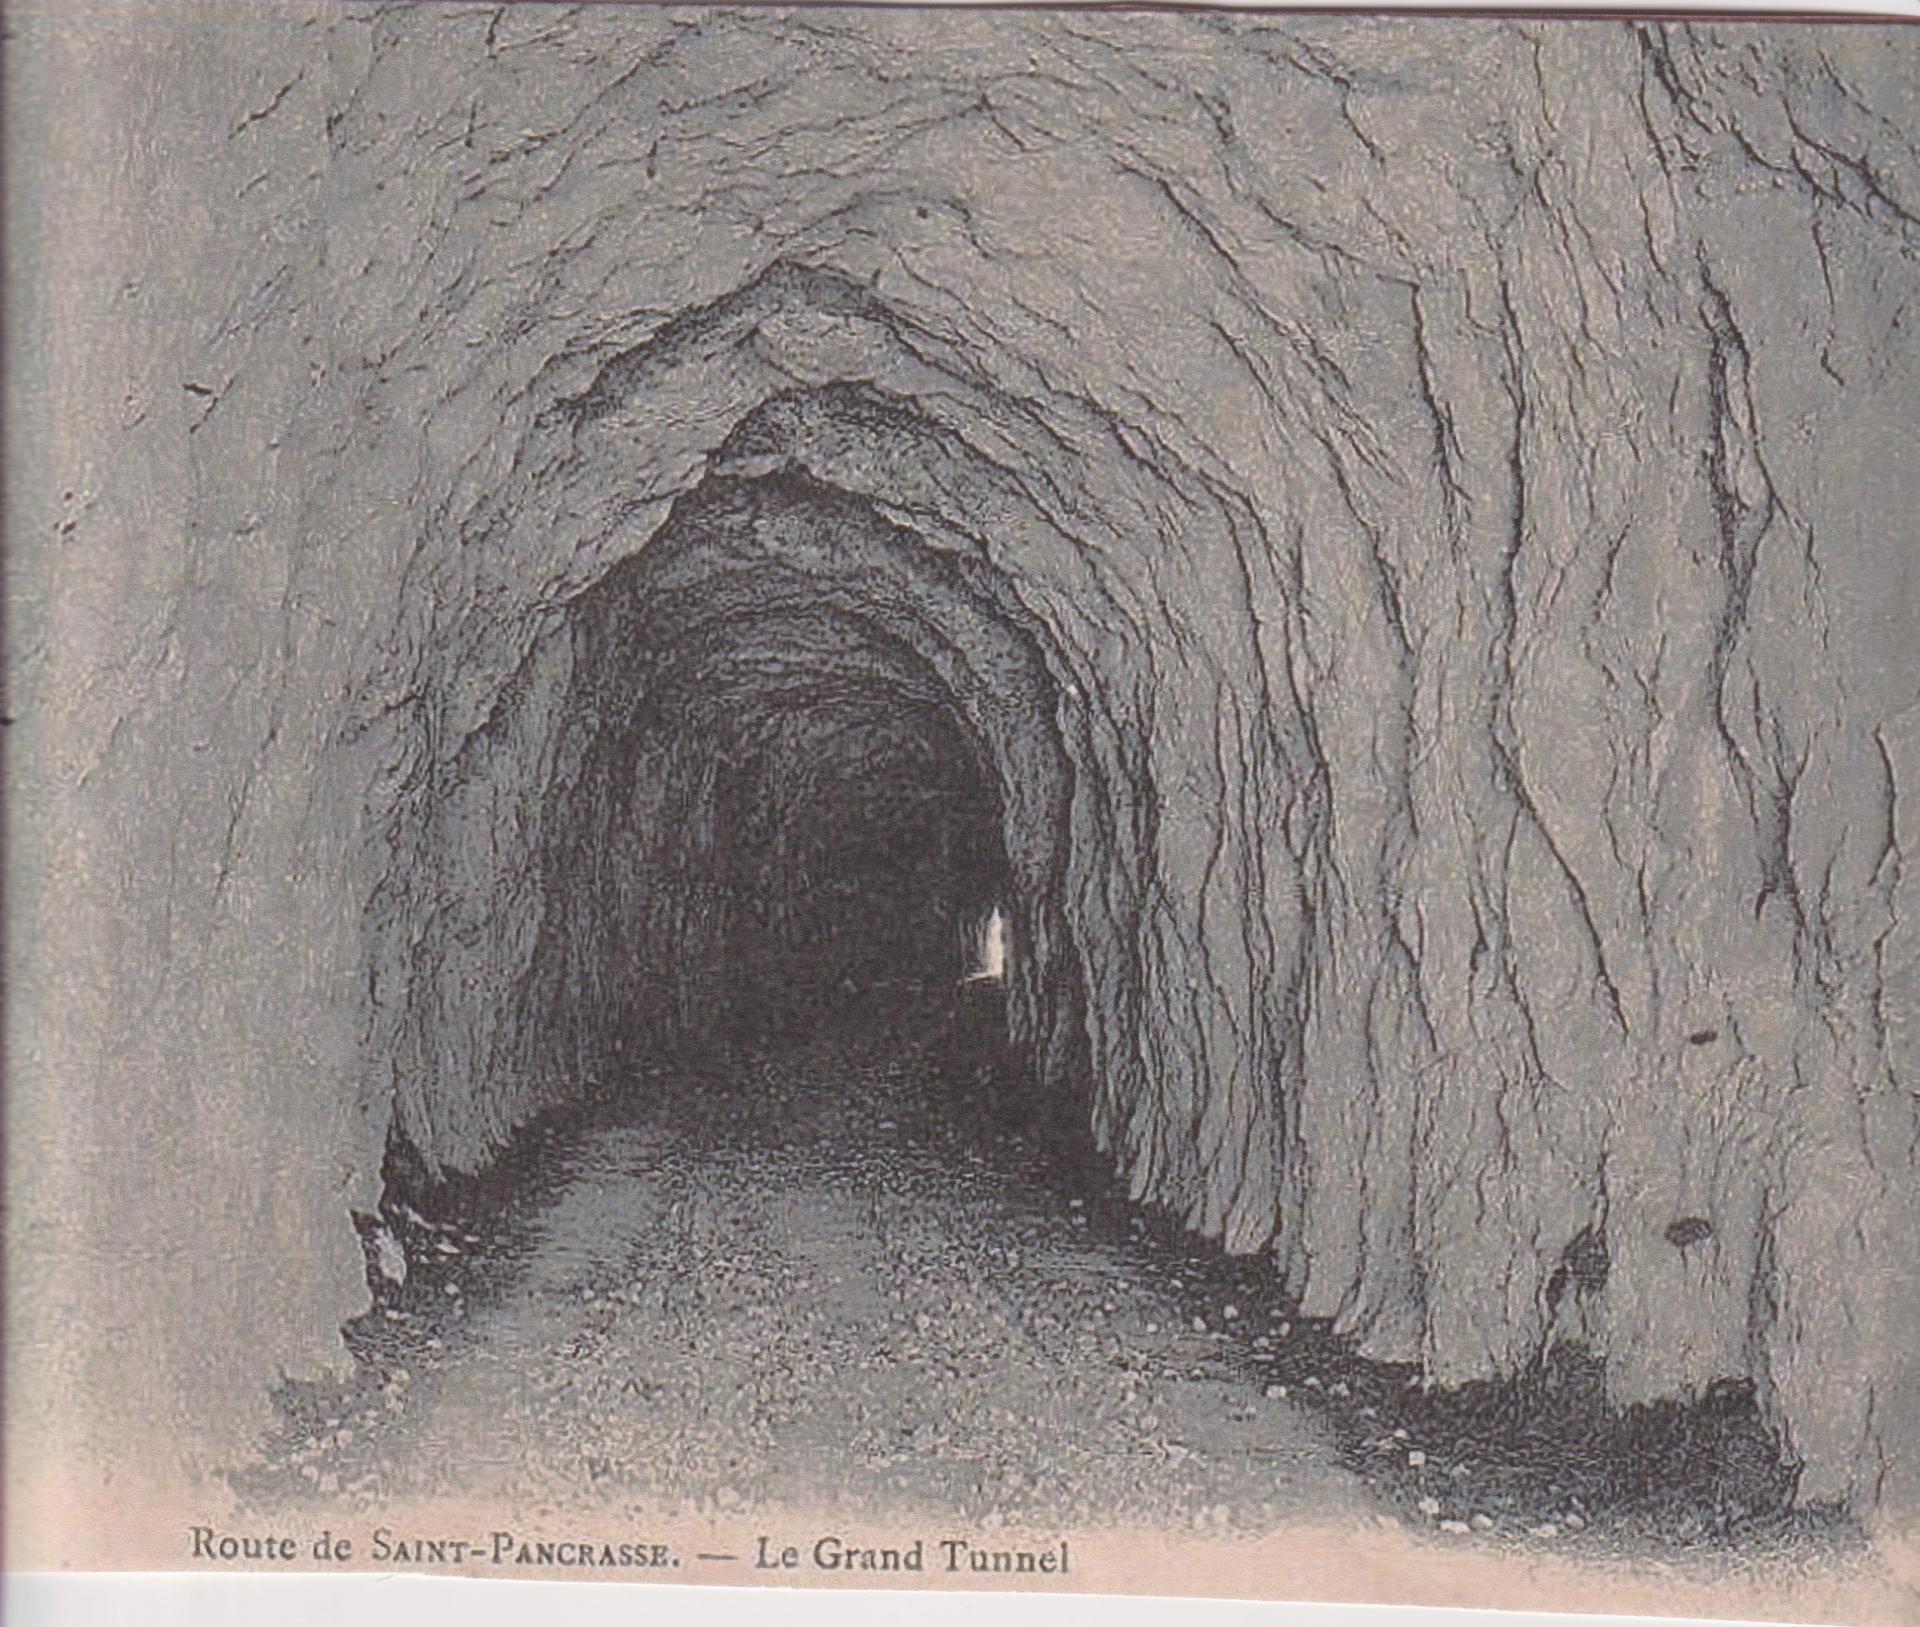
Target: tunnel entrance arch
point(1130, 764)
point(817, 748)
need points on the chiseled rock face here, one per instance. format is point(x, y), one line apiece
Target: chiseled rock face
point(1406, 524)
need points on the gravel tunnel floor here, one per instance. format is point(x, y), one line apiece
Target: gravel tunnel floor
point(823, 1272)
point(804, 1284)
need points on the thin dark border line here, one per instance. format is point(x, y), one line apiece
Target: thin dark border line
point(1210, 8)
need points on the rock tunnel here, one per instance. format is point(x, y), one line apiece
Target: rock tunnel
point(1383, 547)
point(805, 748)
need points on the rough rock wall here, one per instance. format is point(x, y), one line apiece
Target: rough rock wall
point(1415, 513)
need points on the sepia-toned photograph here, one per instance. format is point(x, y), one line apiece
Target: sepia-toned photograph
point(1046, 800)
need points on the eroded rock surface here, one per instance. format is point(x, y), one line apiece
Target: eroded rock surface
point(1406, 525)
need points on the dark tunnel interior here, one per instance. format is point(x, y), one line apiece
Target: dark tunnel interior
point(818, 774)
point(852, 840)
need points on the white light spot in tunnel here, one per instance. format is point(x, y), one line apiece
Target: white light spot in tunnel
point(990, 949)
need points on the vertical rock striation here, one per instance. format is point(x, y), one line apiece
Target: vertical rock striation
point(1399, 532)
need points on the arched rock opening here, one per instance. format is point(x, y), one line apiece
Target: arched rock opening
point(803, 749)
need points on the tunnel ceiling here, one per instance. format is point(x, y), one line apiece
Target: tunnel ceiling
point(1423, 664)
